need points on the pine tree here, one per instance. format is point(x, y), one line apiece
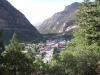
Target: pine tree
point(16, 62)
point(14, 44)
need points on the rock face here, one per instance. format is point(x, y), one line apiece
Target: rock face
point(13, 21)
point(60, 21)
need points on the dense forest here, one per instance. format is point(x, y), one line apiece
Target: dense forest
point(80, 57)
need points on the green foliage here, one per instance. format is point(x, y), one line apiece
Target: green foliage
point(88, 19)
point(55, 68)
point(88, 59)
point(14, 44)
point(82, 53)
point(82, 62)
point(16, 62)
point(40, 67)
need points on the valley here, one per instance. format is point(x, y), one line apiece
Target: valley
point(47, 49)
point(67, 43)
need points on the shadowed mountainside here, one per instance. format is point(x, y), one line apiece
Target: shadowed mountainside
point(13, 21)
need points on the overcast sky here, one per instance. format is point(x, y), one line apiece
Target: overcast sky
point(37, 11)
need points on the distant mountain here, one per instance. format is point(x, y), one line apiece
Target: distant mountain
point(61, 21)
point(12, 20)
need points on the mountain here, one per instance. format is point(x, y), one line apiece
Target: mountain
point(61, 21)
point(13, 21)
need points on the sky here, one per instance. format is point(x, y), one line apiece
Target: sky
point(36, 11)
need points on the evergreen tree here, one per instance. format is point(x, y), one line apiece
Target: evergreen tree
point(16, 62)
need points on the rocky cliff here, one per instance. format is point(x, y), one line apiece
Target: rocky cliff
point(61, 21)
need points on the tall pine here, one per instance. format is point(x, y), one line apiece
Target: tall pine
point(15, 61)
